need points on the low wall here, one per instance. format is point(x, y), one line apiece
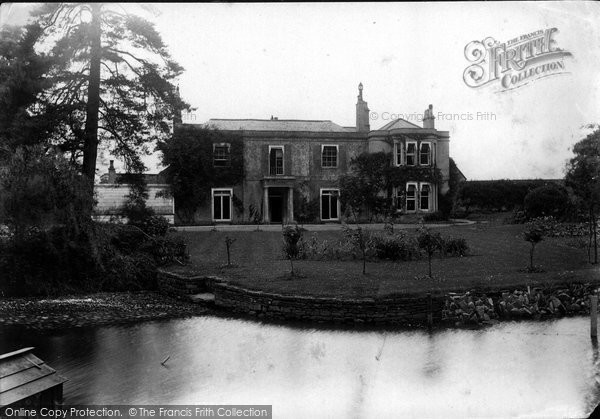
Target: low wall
point(404, 310)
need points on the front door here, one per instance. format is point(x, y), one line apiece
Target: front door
point(275, 205)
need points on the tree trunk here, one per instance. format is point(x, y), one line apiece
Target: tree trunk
point(364, 262)
point(531, 256)
point(90, 148)
point(429, 258)
point(595, 237)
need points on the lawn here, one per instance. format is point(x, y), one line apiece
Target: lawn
point(497, 254)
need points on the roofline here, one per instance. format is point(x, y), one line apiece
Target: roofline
point(268, 120)
point(18, 352)
point(295, 134)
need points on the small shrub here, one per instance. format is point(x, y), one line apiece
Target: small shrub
point(395, 247)
point(291, 239)
point(454, 246)
point(435, 216)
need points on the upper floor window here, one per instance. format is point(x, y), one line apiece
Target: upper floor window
point(425, 154)
point(221, 155)
point(411, 153)
point(398, 155)
point(275, 160)
point(329, 155)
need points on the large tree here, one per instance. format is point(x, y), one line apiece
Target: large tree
point(583, 175)
point(22, 80)
point(114, 78)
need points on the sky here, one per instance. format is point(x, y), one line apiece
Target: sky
point(305, 61)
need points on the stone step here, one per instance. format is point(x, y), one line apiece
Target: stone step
point(203, 298)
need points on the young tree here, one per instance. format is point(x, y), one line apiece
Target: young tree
point(430, 242)
point(360, 239)
point(114, 76)
point(534, 233)
point(291, 238)
point(583, 175)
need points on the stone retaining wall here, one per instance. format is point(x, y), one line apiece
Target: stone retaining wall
point(179, 286)
point(404, 310)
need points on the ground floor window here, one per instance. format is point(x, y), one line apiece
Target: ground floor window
point(222, 204)
point(330, 204)
point(418, 197)
point(411, 197)
point(425, 197)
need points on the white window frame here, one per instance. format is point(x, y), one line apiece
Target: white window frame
point(212, 203)
point(416, 197)
point(321, 203)
point(337, 155)
point(271, 147)
point(429, 196)
point(430, 154)
point(215, 145)
point(399, 145)
point(416, 154)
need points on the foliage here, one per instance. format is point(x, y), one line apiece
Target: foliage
point(395, 246)
point(22, 80)
point(534, 233)
point(305, 211)
point(495, 195)
point(112, 76)
point(547, 200)
point(430, 242)
point(372, 174)
point(583, 176)
point(40, 189)
point(361, 240)
point(292, 237)
point(435, 216)
point(454, 246)
point(190, 171)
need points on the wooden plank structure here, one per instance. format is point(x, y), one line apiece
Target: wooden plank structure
point(27, 381)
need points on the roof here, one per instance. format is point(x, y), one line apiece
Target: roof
point(22, 375)
point(277, 125)
point(398, 123)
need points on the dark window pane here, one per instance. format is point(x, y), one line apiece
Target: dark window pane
point(325, 207)
point(333, 206)
point(425, 154)
point(329, 156)
point(217, 207)
point(226, 207)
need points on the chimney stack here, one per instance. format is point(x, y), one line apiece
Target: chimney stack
point(428, 118)
point(362, 113)
point(112, 173)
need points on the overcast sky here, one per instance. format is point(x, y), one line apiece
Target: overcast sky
point(304, 61)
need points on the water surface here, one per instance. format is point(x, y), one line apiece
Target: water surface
point(526, 369)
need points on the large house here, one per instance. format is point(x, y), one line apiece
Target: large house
point(286, 158)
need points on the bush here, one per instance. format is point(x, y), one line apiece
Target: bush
point(454, 246)
point(395, 247)
point(549, 200)
point(435, 216)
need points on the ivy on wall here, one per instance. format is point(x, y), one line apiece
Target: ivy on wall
point(373, 173)
point(191, 172)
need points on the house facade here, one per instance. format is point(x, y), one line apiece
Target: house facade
point(288, 163)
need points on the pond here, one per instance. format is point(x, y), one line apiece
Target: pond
point(525, 369)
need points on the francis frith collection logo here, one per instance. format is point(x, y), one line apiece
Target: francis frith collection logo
point(515, 63)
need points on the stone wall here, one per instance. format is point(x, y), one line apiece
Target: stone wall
point(401, 310)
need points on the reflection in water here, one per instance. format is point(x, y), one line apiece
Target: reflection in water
point(548, 369)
